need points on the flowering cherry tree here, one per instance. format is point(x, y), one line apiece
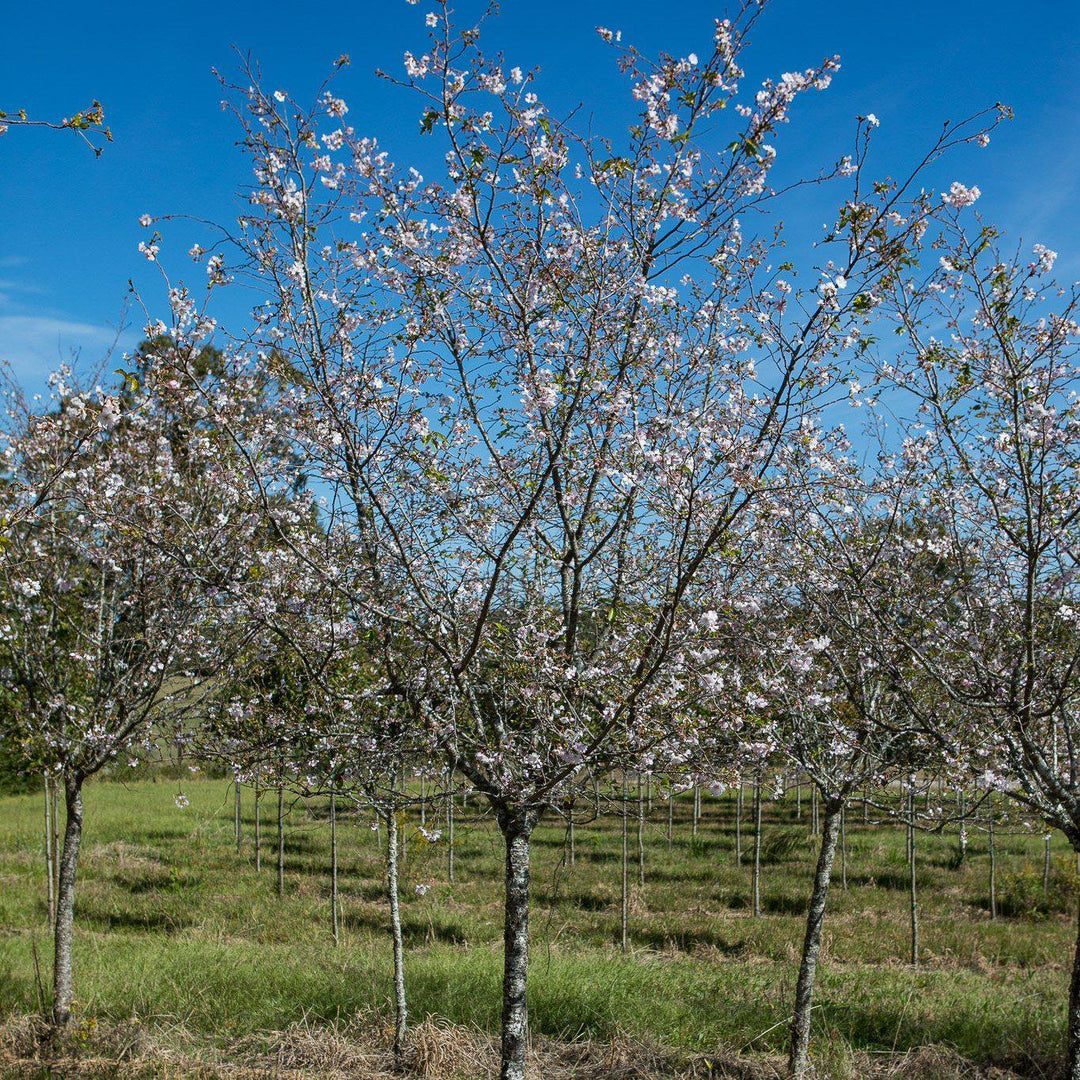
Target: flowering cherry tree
point(108, 604)
point(535, 396)
point(992, 364)
point(841, 716)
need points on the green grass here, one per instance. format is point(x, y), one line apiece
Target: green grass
point(175, 927)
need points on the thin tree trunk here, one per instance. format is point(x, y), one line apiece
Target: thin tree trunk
point(281, 841)
point(1072, 1070)
point(624, 908)
point(63, 993)
point(1046, 863)
point(640, 833)
point(993, 859)
point(54, 794)
point(738, 824)
point(401, 1011)
point(258, 828)
point(814, 815)
point(236, 818)
point(756, 875)
point(963, 827)
point(798, 1056)
point(450, 833)
point(696, 811)
point(423, 801)
point(670, 817)
point(912, 895)
point(335, 917)
point(798, 797)
point(516, 829)
point(843, 847)
point(50, 871)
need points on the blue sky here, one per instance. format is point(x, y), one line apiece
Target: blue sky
point(68, 222)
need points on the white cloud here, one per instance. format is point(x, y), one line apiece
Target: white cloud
point(34, 345)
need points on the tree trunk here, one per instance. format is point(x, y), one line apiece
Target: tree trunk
point(54, 795)
point(912, 895)
point(63, 993)
point(335, 916)
point(670, 817)
point(963, 827)
point(258, 829)
point(993, 859)
point(516, 827)
point(624, 896)
point(1046, 863)
point(1072, 1070)
point(50, 871)
point(798, 1056)
point(843, 847)
point(738, 824)
point(755, 885)
point(450, 833)
point(814, 816)
point(236, 817)
point(640, 833)
point(401, 1012)
point(696, 811)
point(281, 842)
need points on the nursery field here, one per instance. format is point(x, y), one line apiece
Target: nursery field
point(187, 962)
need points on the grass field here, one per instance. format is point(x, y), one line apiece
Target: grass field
point(174, 928)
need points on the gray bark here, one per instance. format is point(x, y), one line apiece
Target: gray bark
point(335, 915)
point(755, 884)
point(450, 832)
point(258, 829)
point(798, 1056)
point(281, 842)
point(912, 894)
point(843, 848)
point(50, 872)
point(63, 993)
point(1072, 1070)
point(738, 824)
point(516, 827)
point(236, 818)
point(624, 896)
point(401, 1011)
point(993, 858)
point(640, 833)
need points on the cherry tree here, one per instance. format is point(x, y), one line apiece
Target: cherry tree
point(108, 609)
point(839, 714)
point(991, 363)
point(537, 394)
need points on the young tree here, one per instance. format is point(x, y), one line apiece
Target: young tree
point(538, 393)
point(991, 361)
point(106, 624)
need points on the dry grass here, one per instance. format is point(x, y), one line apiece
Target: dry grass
point(438, 1050)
